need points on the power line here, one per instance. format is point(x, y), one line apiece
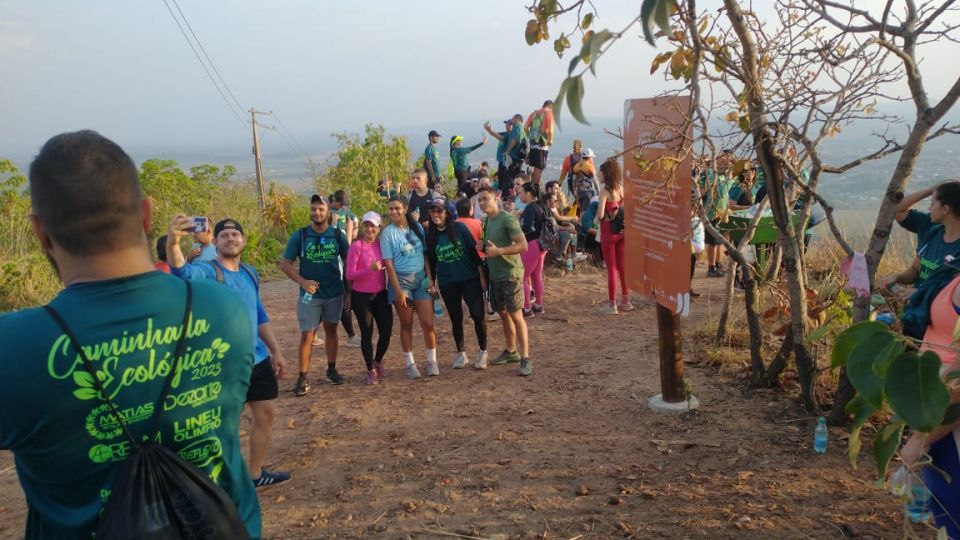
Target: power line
point(204, 66)
point(284, 127)
point(205, 55)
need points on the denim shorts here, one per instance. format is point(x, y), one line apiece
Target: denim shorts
point(328, 310)
point(412, 287)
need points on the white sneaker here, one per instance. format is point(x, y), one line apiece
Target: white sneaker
point(481, 362)
point(580, 257)
point(317, 340)
point(353, 342)
point(460, 360)
point(609, 309)
point(413, 372)
point(626, 306)
point(432, 368)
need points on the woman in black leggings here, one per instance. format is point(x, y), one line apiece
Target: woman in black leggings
point(455, 266)
point(368, 297)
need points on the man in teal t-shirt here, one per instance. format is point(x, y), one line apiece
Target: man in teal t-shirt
point(91, 221)
point(431, 160)
point(322, 250)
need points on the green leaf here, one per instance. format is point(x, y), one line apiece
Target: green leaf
point(885, 445)
point(861, 411)
point(915, 391)
point(558, 101)
point(881, 364)
point(83, 379)
point(530, 34)
point(850, 337)
point(587, 19)
point(85, 393)
point(575, 99)
point(817, 334)
point(662, 14)
point(595, 43)
point(573, 66)
point(860, 368)
point(646, 18)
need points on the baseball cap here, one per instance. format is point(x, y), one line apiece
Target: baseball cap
point(588, 152)
point(433, 133)
point(371, 217)
point(318, 198)
point(225, 224)
point(508, 120)
point(439, 202)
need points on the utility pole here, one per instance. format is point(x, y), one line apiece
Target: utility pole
point(256, 157)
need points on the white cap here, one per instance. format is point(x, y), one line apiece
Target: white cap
point(588, 152)
point(372, 217)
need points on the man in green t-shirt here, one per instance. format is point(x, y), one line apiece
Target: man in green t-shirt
point(322, 250)
point(503, 242)
point(91, 219)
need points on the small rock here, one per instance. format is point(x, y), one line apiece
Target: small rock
point(615, 501)
point(582, 490)
point(849, 530)
point(280, 499)
point(291, 424)
point(409, 506)
point(648, 494)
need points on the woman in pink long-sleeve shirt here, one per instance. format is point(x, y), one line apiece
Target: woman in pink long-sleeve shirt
point(368, 296)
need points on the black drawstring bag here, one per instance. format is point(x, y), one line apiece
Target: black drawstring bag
point(157, 495)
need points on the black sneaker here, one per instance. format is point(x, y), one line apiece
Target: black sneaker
point(302, 386)
point(333, 376)
point(528, 314)
point(537, 309)
point(714, 273)
point(268, 478)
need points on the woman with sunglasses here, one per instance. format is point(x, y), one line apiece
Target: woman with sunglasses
point(401, 244)
point(368, 295)
point(455, 266)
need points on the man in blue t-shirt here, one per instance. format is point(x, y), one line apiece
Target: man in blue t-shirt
point(431, 159)
point(91, 220)
point(268, 366)
point(322, 250)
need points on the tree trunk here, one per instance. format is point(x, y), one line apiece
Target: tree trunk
point(771, 377)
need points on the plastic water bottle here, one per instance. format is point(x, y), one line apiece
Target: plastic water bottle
point(437, 308)
point(918, 506)
point(307, 297)
point(820, 436)
point(569, 263)
point(573, 241)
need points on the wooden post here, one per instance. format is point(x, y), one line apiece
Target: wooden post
point(671, 358)
point(256, 158)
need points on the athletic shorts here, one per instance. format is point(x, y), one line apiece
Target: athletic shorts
point(506, 295)
point(412, 287)
point(328, 310)
point(537, 158)
point(263, 382)
point(708, 238)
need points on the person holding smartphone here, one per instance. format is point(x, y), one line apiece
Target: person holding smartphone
point(368, 296)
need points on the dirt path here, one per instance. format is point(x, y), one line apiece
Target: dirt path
point(572, 451)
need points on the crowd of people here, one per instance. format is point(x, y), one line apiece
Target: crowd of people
point(121, 351)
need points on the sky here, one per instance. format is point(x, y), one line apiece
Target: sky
point(124, 69)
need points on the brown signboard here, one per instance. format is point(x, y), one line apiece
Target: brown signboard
point(657, 180)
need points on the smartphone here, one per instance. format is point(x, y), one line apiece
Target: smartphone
point(199, 224)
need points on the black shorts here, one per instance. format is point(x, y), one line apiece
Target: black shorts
point(708, 238)
point(263, 382)
point(537, 158)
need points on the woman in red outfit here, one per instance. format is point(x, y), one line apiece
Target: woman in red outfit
point(612, 244)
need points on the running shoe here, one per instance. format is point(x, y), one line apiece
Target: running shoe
point(302, 386)
point(371, 377)
point(353, 341)
point(460, 360)
point(413, 372)
point(526, 367)
point(712, 272)
point(537, 309)
point(609, 309)
point(381, 372)
point(481, 361)
point(333, 376)
point(580, 257)
point(432, 368)
point(268, 478)
point(317, 340)
point(506, 357)
point(528, 314)
point(626, 305)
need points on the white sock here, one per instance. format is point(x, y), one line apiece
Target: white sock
point(431, 356)
point(408, 358)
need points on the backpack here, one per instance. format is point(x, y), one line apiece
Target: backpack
point(536, 125)
point(549, 234)
point(616, 224)
point(157, 495)
point(243, 266)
